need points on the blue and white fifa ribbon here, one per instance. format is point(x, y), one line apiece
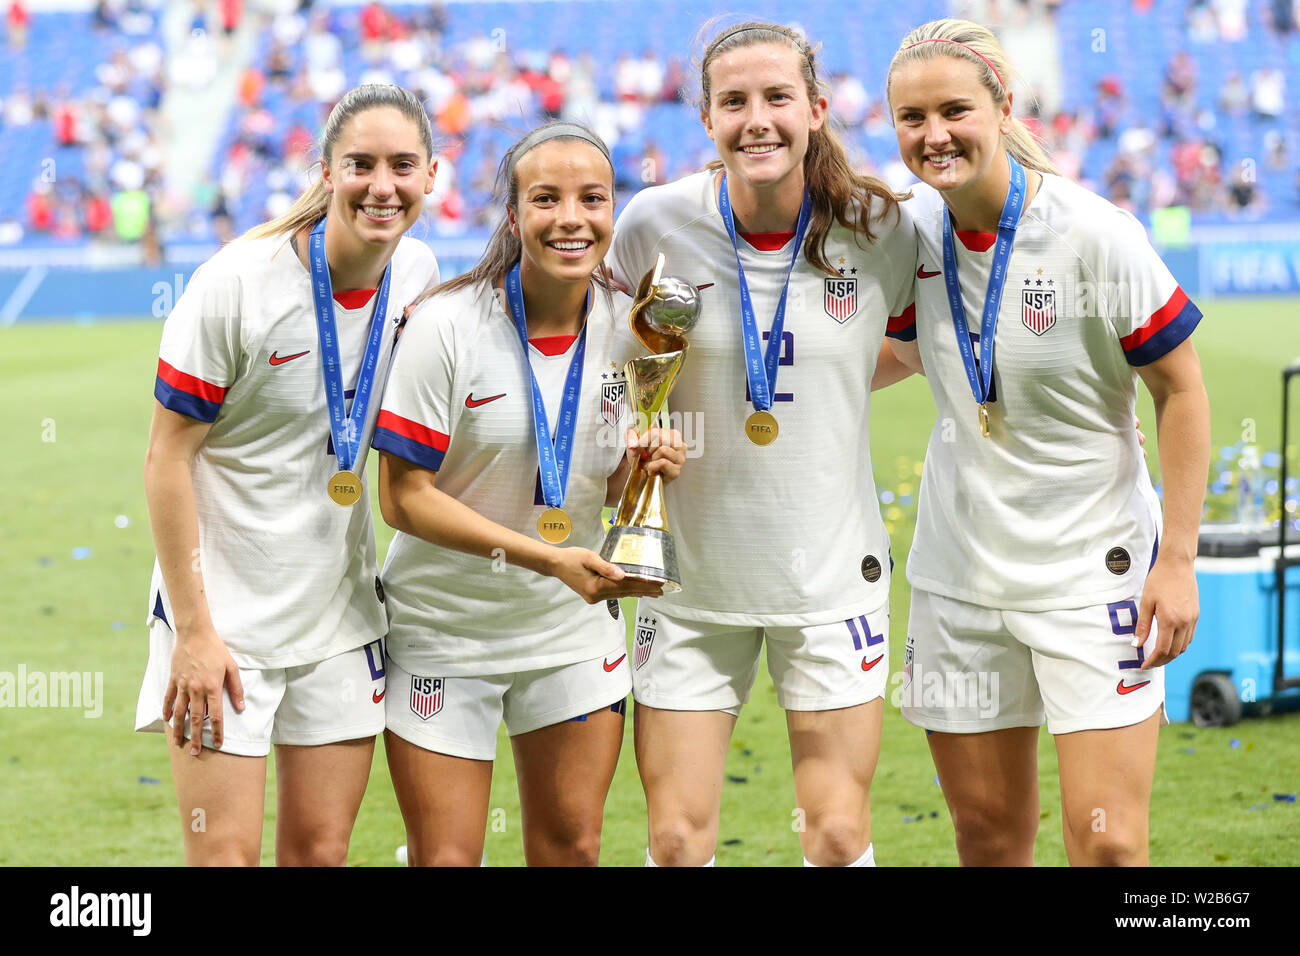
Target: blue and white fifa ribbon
point(761, 365)
point(346, 426)
point(980, 374)
point(553, 456)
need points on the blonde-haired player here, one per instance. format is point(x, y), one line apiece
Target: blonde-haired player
point(1040, 557)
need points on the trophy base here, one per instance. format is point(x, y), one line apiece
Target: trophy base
point(645, 553)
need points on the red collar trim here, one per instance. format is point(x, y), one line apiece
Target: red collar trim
point(767, 241)
point(553, 344)
point(353, 298)
point(977, 241)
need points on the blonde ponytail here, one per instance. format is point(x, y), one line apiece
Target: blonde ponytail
point(307, 210)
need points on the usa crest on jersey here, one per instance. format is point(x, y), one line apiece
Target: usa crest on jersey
point(1038, 309)
point(645, 638)
point(841, 299)
point(613, 398)
point(426, 696)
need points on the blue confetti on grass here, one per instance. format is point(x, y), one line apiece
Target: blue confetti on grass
point(80, 554)
point(1234, 743)
point(150, 781)
point(1284, 797)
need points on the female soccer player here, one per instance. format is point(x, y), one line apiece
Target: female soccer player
point(801, 263)
point(500, 440)
point(1040, 568)
point(266, 610)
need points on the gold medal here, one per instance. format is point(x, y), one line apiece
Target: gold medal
point(984, 420)
point(554, 525)
point(761, 428)
point(345, 488)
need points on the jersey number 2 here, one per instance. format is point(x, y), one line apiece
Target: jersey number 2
point(785, 358)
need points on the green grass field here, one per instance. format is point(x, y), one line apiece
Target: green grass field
point(74, 407)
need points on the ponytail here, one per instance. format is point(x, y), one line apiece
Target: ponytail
point(307, 210)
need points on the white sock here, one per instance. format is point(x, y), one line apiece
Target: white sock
point(867, 859)
point(649, 860)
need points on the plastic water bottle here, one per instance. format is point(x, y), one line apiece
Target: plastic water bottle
point(1250, 490)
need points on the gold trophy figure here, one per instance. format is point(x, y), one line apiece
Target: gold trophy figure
point(665, 309)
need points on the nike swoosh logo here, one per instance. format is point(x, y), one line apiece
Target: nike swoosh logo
point(609, 668)
point(1122, 689)
point(280, 360)
point(701, 288)
point(378, 695)
point(922, 274)
point(472, 402)
point(867, 667)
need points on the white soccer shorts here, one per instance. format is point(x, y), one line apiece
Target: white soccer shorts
point(681, 664)
point(341, 698)
point(460, 716)
point(971, 669)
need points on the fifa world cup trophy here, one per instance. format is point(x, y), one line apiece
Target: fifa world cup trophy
point(665, 309)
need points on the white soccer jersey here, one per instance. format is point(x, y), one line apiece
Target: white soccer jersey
point(459, 402)
point(790, 533)
point(290, 575)
point(1055, 508)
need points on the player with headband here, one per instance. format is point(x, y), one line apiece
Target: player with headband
point(502, 438)
point(801, 264)
point(1040, 561)
point(265, 609)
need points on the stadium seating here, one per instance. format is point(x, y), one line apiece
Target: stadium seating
point(1135, 45)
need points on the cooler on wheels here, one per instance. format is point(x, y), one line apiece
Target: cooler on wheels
point(1247, 645)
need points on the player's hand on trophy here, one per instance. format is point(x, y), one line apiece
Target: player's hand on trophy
point(201, 668)
point(594, 579)
point(662, 451)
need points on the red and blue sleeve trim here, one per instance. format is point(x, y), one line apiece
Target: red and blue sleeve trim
point(410, 440)
point(187, 394)
point(903, 326)
point(1163, 332)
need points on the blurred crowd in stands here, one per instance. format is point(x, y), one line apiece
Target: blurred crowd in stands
point(300, 65)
